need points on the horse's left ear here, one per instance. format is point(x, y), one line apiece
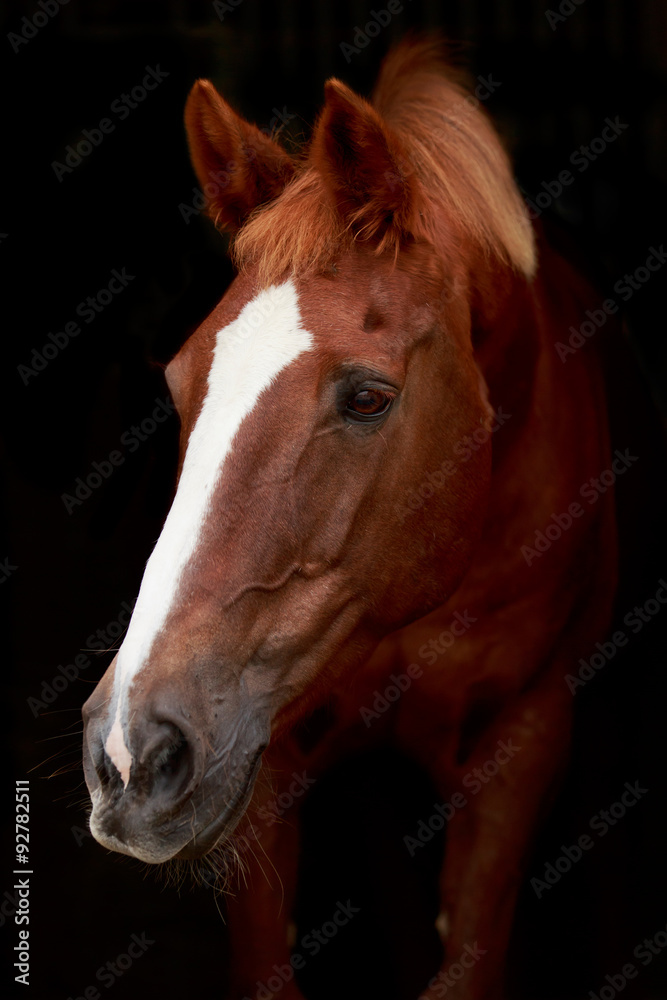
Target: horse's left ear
point(238, 166)
point(363, 164)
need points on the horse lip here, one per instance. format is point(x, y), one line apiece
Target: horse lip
point(221, 826)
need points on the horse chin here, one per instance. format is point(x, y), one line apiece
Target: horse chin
point(216, 833)
point(156, 851)
point(141, 851)
point(219, 829)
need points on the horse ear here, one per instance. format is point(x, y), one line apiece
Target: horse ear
point(238, 166)
point(363, 164)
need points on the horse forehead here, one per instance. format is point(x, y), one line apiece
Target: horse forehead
point(350, 289)
point(378, 311)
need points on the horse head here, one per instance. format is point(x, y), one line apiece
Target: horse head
point(335, 373)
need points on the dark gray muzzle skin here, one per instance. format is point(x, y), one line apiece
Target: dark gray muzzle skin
point(195, 758)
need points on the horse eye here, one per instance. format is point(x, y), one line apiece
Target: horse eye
point(369, 402)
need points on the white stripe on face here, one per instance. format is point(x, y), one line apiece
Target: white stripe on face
point(265, 337)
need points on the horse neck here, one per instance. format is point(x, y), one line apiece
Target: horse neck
point(515, 329)
point(554, 436)
point(510, 343)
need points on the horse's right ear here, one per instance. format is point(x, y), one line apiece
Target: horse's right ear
point(364, 166)
point(238, 166)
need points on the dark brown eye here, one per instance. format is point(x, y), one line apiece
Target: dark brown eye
point(369, 402)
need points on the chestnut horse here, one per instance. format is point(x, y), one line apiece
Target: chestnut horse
point(381, 508)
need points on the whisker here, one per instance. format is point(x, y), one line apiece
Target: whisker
point(59, 736)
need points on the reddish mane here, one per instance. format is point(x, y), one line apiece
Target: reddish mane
point(463, 199)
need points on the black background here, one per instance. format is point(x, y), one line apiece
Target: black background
point(119, 208)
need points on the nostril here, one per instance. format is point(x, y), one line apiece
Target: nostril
point(165, 762)
point(169, 759)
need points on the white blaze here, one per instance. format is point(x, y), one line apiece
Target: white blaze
point(265, 337)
